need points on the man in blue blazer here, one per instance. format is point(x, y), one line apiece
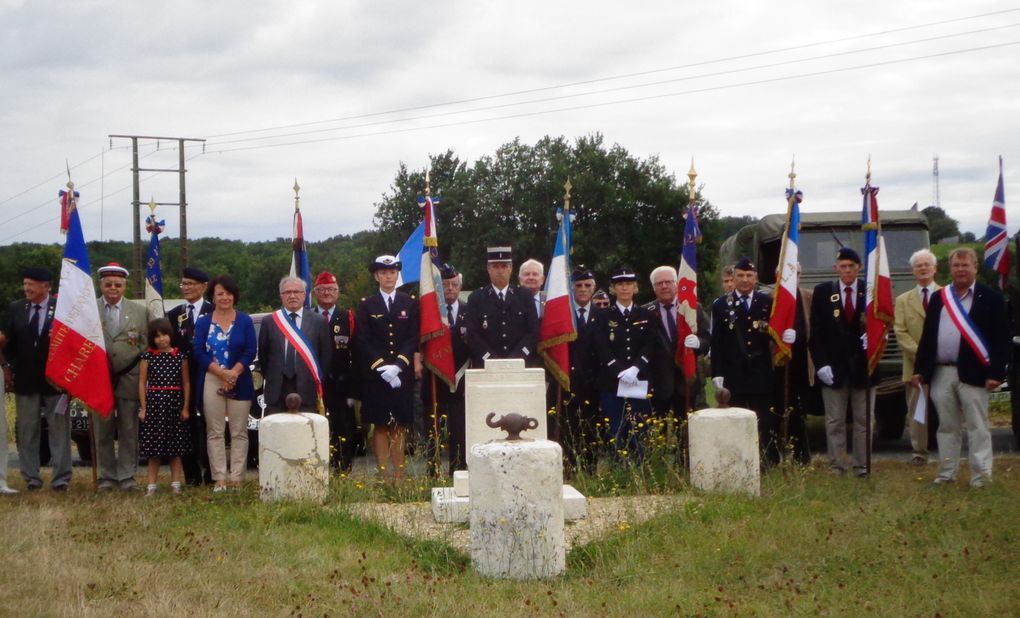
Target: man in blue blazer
point(962, 356)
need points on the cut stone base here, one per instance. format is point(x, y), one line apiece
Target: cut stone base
point(724, 450)
point(294, 457)
point(448, 507)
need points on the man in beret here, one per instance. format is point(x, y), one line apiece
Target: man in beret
point(742, 354)
point(338, 390)
point(837, 351)
point(577, 425)
point(28, 331)
point(194, 282)
point(124, 330)
point(502, 322)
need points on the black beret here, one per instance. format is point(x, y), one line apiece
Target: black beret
point(745, 263)
point(195, 274)
point(37, 273)
point(448, 271)
point(846, 253)
point(582, 273)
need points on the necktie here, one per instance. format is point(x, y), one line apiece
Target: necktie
point(500, 294)
point(325, 314)
point(848, 304)
point(580, 316)
point(389, 303)
point(33, 322)
point(112, 316)
point(449, 315)
point(191, 313)
point(924, 298)
point(670, 321)
point(289, 357)
point(745, 299)
point(626, 314)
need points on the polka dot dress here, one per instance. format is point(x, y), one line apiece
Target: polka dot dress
point(163, 433)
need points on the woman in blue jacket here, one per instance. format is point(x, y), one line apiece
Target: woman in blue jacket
point(224, 346)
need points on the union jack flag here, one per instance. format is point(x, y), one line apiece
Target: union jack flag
point(996, 236)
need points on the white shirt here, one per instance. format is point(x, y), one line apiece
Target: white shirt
point(388, 299)
point(948, 342)
point(454, 309)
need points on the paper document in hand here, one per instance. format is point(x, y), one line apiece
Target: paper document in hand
point(637, 390)
point(921, 407)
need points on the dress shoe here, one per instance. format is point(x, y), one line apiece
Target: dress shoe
point(7, 491)
point(106, 486)
point(34, 486)
point(129, 485)
point(919, 460)
point(62, 487)
point(942, 482)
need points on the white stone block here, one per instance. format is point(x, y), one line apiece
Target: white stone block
point(724, 450)
point(294, 457)
point(516, 513)
point(504, 386)
point(575, 505)
point(448, 507)
point(460, 483)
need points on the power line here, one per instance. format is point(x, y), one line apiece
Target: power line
point(621, 101)
point(621, 76)
point(51, 178)
point(620, 88)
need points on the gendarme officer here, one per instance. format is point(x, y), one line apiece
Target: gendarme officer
point(501, 318)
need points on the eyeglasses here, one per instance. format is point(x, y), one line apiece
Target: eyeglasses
point(291, 292)
point(188, 284)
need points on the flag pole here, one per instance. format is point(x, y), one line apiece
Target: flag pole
point(786, 368)
point(864, 329)
point(692, 199)
point(567, 186)
point(437, 451)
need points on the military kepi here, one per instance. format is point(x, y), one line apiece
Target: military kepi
point(846, 253)
point(496, 255)
point(36, 273)
point(745, 263)
point(623, 273)
point(384, 262)
point(113, 269)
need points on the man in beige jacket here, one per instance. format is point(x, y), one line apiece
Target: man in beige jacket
point(911, 308)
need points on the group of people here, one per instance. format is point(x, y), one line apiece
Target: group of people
point(180, 381)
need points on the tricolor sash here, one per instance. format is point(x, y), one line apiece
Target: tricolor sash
point(968, 330)
point(301, 346)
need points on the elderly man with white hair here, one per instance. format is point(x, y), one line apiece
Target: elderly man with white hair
point(911, 309)
point(531, 276)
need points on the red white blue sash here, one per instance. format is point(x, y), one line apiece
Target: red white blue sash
point(301, 346)
point(968, 330)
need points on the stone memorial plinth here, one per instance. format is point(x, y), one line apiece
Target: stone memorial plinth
point(505, 385)
point(516, 511)
point(294, 457)
point(724, 450)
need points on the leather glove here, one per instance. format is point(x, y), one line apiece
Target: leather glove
point(864, 341)
point(691, 341)
point(718, 382)
point(395, 382)
point(350, 402)
point(388, 372)
point(825, 375)
point(790, 336)
point(629, 375)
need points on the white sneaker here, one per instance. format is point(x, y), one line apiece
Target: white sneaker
point(5, 490)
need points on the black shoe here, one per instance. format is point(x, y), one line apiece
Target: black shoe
point(59, 488)
point(34, 486)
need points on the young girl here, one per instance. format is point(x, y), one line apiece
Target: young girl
point(164, 388)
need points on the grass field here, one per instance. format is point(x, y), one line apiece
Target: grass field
point(811, 544)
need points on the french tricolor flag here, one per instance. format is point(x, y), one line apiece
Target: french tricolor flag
point(77, 359)
point(558, 328)
point(784, 307)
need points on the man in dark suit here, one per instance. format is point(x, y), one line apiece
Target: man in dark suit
point(624, 343)
point(580, 414)
point(182, 317)
point(962, 354)
point(449, 419)
point(502, 322)
point(742, 354)
point(837, 351)
point(531, 277)
point(28, 344)
point(669, 380)
point(338, 388)
point(283, 368)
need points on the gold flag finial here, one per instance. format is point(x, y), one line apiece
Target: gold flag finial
point(152, 206)
point(297, 198)
point(867, 176)
point(70, 185)
point(691, 175)
point(566, 195)
point(428, 183)
point(793, 174)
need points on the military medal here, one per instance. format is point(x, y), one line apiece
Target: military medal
point(754, 325)
point(835, 313)
point(181, 319)
point(612, 335)
point(485, 323)
point(834, 298)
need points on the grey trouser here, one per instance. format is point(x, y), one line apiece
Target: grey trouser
point(30, 411)
point(835, 424)
point(956, 401)
point(122, 424)
point(3, 432)
point(918, 431)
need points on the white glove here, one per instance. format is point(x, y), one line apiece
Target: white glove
point(395, 382)
point(825, 375)
point(717, 382)
point(789, 336)
point(350, 402)
point(388, 372)
point(864, 341)
point(629, 375)
point(691, 341)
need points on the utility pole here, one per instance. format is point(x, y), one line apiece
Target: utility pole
point(136, 203)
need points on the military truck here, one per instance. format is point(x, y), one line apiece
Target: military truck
point(821, 236)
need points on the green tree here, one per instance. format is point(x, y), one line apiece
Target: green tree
point(940, 225)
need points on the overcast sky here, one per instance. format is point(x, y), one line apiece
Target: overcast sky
point(740, 86)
